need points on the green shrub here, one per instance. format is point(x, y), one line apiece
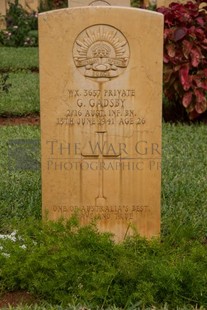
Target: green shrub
point(185, 57)
point(64, 263)
point(21, 27)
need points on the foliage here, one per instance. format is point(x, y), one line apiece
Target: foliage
point(21, 27)
point(65, 263)
point(141, 4)
point(136, 3)
point(47, 306)
point(4, 85)
point(47, 5)
point(185, 56)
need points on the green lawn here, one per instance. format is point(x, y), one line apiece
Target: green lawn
point(14, 59)
point(21, 65)
point(19, 190)
point(184, 180)
point(23, 95)
point(74, 265)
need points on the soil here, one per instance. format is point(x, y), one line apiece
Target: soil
point(17, 298)
point(31, 119)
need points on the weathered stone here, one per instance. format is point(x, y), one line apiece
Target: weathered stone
point(28, 5)
point(101, 94)
point(76, 3)
point(2, 14)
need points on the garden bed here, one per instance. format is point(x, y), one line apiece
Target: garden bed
point(31, 119)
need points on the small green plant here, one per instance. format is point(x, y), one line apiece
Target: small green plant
point(137, 3)
point(4, 85)
point(21, 27)
point(185, 56)
point(64, 263)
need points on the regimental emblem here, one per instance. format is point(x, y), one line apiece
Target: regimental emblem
point(101, 52)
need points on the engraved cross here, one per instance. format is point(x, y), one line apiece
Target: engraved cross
point(100, 199)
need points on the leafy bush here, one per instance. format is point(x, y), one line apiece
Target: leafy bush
point(185, 56)
point(63, 263)
point(21, 27)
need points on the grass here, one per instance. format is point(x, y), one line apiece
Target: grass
point(23, 95)
point(15, 59)
point(184, 180)
point(71, 265)
point(19, 190)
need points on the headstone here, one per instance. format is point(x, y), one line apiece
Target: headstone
point(28, 5)
point(76, 3)
point(2, 14)
point(101, 94)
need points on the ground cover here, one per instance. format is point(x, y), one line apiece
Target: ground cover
point(23, 95)
point(74, 265)
point(19, 81)
point(15, 59)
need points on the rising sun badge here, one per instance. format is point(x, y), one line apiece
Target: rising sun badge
point(101, 52)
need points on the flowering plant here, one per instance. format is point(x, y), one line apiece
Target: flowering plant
point(185, 55)
point(21, 27)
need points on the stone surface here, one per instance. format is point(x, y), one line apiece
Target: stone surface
point(28, 5)
point(101, 94)
point(2, 14)
point(76, 3)
point(3, 7)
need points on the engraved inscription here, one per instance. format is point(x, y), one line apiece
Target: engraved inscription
point(100, 107)
point(115, 212)
point(101, 52)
